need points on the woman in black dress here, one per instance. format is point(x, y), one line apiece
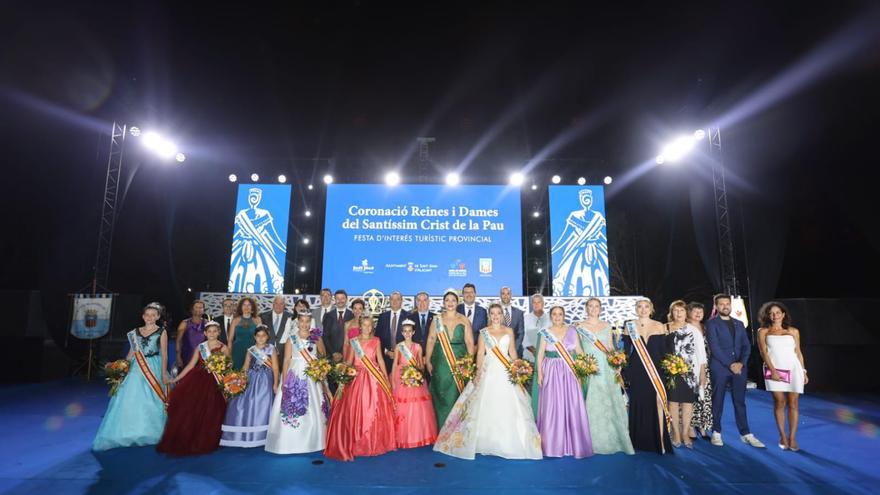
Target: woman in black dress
point(687, 342)
point(647, 421)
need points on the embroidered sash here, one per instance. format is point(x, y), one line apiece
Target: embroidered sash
point(302, 345)
point(370, 366)
point(205, 353)
point(407, 354)
point(586, 334)
point(653, 375)
point(156, 385)
point(446, 346)
point(493, 346)
point(261, 357)
point(560, 348)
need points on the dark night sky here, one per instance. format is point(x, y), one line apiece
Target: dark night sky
point(262, 88)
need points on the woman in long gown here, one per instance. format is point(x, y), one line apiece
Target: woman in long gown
point(647, 419)
point(492, 416)
point(440, 358)
point(606, 406)
point(414, 419)
point(190, 333)
point(241, 335)
point(362, 421)
point(351, 326)
point(687, 342)
point(561, 412)
point(298, 422)
point(247, 415)
point(702, 419)
point(196, 406)
point(136, 412)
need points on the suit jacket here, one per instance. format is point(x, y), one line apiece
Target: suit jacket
point(481, 319)
point(334, 334)
point(389, 336)
point(517, 323)
point(316, 315)
point(421, 335)
point(224, 329)
point(726, 350)
point(267, 319)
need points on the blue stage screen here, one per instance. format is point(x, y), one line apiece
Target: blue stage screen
point(579, 241)
point(259, 239)
point(422, 238)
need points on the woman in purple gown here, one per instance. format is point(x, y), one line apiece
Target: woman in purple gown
point(190, 333)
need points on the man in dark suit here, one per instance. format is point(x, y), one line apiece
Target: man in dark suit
point(277, 319)
point(477, 314)
point(423, 318)
point(389, 326)
point(225, 319)
point(730, 349)
point(513, 318)
point(334, 326)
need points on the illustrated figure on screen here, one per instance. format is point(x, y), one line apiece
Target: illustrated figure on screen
point(583, 269)
point(255, 268)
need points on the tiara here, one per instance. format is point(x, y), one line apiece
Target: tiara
point(304, 313)
point(154, 305)
point(211, 323)
point(408, 322)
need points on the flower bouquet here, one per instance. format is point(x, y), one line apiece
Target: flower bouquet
point(617, 360)
point(233, 383)
point(315, 335)
point(520, 372)
point(585, 365)
point(218, 363)
point(342, 373)
point(318, 369)
point(465, 368)
point(411, 376)
point(115, 372)
point(674, 366)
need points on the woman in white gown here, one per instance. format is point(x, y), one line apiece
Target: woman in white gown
point(298, 421)
point(492, 416)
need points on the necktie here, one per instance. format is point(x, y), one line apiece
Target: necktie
point(228, 322)
point(393, 324)
point(507, 317)
point(470, 315)
point(423, 321)
point(340, 320)
point(276, 322)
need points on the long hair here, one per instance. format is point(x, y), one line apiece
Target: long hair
point(764, 314)
point(254, 307)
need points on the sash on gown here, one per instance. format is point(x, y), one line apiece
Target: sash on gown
point(407, 354)
point(161, 392)
point(446, 346)
point(653, 375)
point(205, 353)
point(492, 345)
point(560, 348)
point(261, 356)
point(370, 366)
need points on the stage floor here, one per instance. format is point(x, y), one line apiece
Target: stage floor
point(48, 429)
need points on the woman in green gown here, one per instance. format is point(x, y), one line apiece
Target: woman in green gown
point(457, 330)
point(609, 423)
point(241, 331)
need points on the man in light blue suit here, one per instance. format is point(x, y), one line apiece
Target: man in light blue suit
point(730, 354)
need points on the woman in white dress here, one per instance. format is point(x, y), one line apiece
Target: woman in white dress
point(298, 421)
point(492, 416)
point(784, 371)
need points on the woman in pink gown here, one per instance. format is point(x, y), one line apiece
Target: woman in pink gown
point(414, 421)
point(362, 421)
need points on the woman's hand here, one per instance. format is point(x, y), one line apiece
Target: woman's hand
point(806, 378)
point(540, 379)
point(430, 368)
point(165, 378)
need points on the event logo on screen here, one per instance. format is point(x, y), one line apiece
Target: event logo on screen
point(422, 238)
point(579, 241)
point(259, 239)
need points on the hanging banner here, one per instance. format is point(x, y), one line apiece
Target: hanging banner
point(259, 239)
point(579, 251)
point(738, 310)
point(91, 315)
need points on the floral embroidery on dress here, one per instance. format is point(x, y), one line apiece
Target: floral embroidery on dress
point(325, 407)
point(294, 401)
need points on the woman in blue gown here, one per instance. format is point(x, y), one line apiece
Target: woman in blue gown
point(136, 413)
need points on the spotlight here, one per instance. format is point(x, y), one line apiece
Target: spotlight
point(255, 177)
point(166, 149)
point(392, 178)
point(660, 160)
point(540, 270)
point(180, 157)
point(699, 134)
point(282, 178)
point(311, 187)
point(537, 242)
point(135, 131)
point(536, 213)
point(534, 187)
point(302, 268)
point(308, 213)
point(296, 291)
point(233, 178)
point(516, 179)
point(151, 140)
point(305, 240)
point(328, 179)
point(678, 148)
point(452, 179)
point(189, 289)
point(556, 179)
point(608, 180)
point(582, 181)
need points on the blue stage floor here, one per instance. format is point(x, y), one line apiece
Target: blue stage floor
point(48, 429)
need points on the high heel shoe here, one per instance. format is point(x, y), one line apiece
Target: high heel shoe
point(782, 446)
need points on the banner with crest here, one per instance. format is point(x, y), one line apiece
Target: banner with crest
point(91, 315)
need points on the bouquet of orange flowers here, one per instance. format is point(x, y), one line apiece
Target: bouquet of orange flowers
point(520, 372)
point(233, 383)
point(342, 373)
point(585, 365)
point(465, 368)
point(674, 366)
point(411, 376)
point(218, 363)
point(617, 360)
point(318, 369)
point(115, 372)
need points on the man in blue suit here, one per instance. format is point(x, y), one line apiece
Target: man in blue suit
point(477, 314)
point(513, 318)
point(730, 349)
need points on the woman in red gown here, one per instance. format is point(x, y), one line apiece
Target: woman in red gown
point(196, 406)
point(362, 421)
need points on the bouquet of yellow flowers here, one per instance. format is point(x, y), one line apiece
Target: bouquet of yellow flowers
point(617, 360)
point(318, 369)
point(674, 366)
point(465, 368)
point(411, 376)
point(115, 372)
point(218, 363)
point(233, 383)
point(342, 373)
point(520, 372)
point(585, 365)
